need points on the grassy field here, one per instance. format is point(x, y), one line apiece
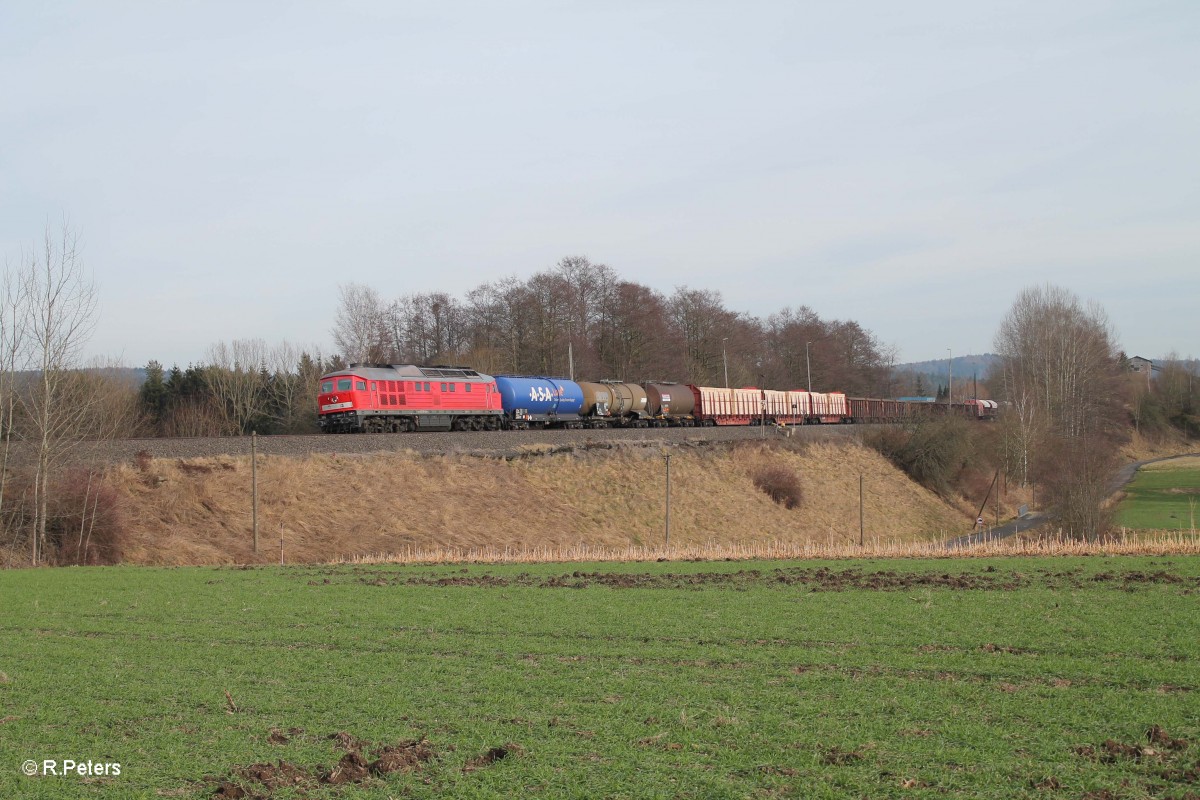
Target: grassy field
point(1163, 496)
point(1053, 677)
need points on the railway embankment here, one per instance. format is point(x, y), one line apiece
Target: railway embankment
point(332, 506)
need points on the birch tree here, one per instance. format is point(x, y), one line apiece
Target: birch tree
point(59, 300)
point(1061, 376)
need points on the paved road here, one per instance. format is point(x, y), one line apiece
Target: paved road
point(1119, 480)
point(1004, 531)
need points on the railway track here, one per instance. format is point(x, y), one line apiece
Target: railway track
point(475, 442)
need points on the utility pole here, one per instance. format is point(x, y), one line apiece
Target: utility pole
point(763, 423)
point(860, 510)
point(254, 484)
point(725, 360)
point(667, 458)
point(808, 366)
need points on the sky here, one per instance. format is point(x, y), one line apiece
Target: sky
point(910, 166)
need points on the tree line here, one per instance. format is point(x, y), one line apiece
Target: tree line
point(583, 319)
point(577, 318)
point(245, 386)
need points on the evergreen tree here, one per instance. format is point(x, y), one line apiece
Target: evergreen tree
point(153, 395)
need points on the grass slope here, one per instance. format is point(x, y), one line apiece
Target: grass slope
point(1163, 496)
point(331, 507)
point(986, 678)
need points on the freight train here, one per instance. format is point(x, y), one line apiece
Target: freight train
point(395, 398)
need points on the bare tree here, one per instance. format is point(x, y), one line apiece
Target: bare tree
point(1061, 376)
point(195, 416)
point(699, 320)
point(60, 305)
point(292, 387)
point(12, 333)
point(361, 332)
point(236, 376)
point(1060, 354)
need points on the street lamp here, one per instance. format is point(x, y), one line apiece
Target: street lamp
point(762, 394)
point(808, 366)
point(725, 360)
point(950, 380)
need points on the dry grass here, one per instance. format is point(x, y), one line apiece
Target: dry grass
point(1143, 448)
point(1146, 544)
point(1173, 464)
point(331, 507)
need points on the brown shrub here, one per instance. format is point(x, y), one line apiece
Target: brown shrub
point(780, 484)
point(85, 518)
point(933, 452)
point(1076, 474)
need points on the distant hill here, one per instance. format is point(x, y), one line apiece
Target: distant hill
point(964, 366)
point(927, 378)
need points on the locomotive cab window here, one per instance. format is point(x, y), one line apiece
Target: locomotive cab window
point(361, 386)
point(372, 386)
point(344, 384)
point(326, 387)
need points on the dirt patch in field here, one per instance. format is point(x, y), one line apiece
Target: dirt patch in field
point(837, 757)
point(260, 781)
point(491, 756)
point(823, 579)
point(1159, 745)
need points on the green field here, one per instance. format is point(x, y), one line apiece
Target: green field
point(1164, 496)
point(963, 678)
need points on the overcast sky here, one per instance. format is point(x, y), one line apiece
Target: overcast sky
point(910, 166)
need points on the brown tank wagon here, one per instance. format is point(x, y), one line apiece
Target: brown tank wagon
point(597, 401)
point(628, 403)
point(672, 403)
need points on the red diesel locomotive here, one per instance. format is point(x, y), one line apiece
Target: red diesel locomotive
point(386, 398)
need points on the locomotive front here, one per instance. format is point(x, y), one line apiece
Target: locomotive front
point(338, 402)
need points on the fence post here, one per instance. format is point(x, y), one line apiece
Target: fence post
point(254, 485)
point(667, 458)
